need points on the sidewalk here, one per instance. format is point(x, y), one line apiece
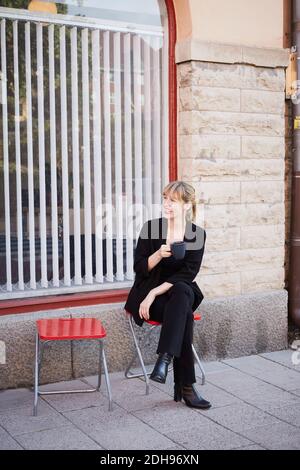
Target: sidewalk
point(255, 405)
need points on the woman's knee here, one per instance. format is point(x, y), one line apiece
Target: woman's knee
point(181, 288)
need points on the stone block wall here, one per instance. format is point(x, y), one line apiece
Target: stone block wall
point(232, 149)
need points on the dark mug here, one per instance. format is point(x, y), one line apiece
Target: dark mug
point(178, 249)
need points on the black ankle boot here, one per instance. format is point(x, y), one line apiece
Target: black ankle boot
point(160, 371)
point(191, 396)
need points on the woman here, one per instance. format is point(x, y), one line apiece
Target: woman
point(164, 288)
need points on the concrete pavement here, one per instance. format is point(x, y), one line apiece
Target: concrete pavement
point(255, 405)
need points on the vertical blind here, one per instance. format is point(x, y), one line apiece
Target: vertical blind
point(83, 153)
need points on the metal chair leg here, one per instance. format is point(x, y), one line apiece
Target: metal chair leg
point(106, 378)
point(128, 373)
point(36, 374)
point(199, 364)
point(138, 353)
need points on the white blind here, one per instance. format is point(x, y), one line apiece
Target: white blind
point(83, 150)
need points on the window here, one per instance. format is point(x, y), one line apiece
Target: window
point(84, 142)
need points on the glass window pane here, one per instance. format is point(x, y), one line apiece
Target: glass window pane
point(99, 130)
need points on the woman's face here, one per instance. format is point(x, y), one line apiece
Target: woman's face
point(173, 208)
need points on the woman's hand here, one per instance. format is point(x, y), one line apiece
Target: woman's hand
point(145, 306)
point(165, 251)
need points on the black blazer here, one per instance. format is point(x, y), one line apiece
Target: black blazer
point(152, 236)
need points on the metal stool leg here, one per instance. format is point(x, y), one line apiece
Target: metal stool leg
point(199, 364)
point(106, 377)
point(138, 353)
point(100, 365)
point(38, 358)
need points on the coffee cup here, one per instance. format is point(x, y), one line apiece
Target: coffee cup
point(178, 249)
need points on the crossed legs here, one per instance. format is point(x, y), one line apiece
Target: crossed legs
point(174, 310)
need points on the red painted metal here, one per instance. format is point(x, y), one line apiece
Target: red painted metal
point(70, 328)
point(35, 304)
point(173, 171)
point(197, 317)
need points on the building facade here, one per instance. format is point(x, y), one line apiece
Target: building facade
point(186, 89)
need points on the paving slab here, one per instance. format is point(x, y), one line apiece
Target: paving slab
point(217, 397)
point(282, 357)
point(240, 416)
point(280, 436)
point(212, 367)
point(7, 442)
point(268, 371)
point(288, 413)
point(62, 438)
point(211, 436)
point(15, 398)
point(118, 429)
point(73, 401)
point(130, 394)
point(253, 447)
point(21, 420)
point(171, 415)
point(250, 389)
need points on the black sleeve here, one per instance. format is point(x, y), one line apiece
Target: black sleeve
point(191, 264)
point(142, 252)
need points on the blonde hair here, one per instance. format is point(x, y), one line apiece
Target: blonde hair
point(183, 192)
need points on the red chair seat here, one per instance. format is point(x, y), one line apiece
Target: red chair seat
point(70, 328)
point(152, 322)
point(197, 317)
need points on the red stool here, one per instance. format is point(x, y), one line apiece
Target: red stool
point(145, 373)
point(62, 329)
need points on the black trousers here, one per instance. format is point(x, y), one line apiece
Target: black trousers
point(174, 310)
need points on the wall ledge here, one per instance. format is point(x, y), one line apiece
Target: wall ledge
point(197, 50)
point(231, 326)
